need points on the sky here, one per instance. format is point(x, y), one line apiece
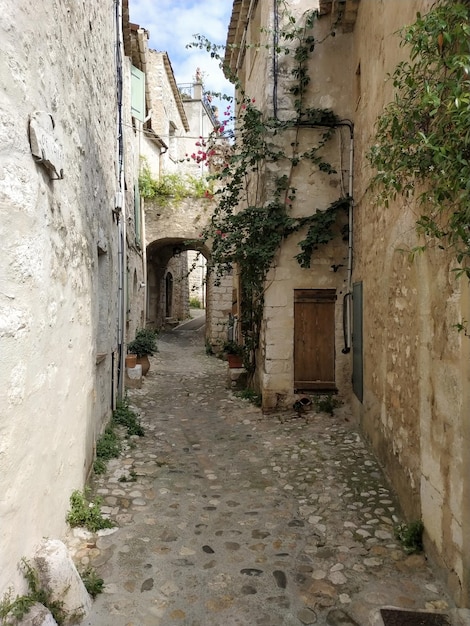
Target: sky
point(172, 24)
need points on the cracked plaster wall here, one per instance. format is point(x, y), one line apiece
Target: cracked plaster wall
point(56, 57)
point(416, 364)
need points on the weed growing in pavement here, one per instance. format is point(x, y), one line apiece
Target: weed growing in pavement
point(125, 416)
point(129, 478)
point(93, 583)
point(86, 513)
point(108, 447)
point(12, 610)
point(327, 404)
point(251, 395)
point(410, 536)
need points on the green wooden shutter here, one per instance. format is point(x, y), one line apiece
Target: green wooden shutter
point(137, 222)
point(137, 93)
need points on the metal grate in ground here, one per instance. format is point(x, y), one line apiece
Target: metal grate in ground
point(399, 617)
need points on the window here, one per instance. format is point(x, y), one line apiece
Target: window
point(137, 94)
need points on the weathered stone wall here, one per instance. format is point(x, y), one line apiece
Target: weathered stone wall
point(179, 223)
point(165, 111)
point(135, 275)
point(59, 251)
point(197, 268)
point(315, 190)
point(416, 366)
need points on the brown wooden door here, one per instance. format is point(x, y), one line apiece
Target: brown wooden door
point(314, 339)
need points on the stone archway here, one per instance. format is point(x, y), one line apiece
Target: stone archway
point(171, 231)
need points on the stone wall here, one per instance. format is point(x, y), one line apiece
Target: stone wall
point(416, 366)
point(315, 191)
point(179, 224)
point(59, 251)
point(165, 111)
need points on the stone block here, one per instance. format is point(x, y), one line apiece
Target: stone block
point(60, 578)
point(237, 378)
point(38, 615)
point(133, 377)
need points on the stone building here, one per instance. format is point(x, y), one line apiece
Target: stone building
point(178, 118)
point(409, 367)
point(70, 233)
point(297, 300)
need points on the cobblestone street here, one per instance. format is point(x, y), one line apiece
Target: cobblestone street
point(236, 518)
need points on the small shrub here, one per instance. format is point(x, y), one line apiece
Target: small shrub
point(93, 583)
point(232, 347)
point(251, 395)
point(194, 302)
point(129, 478)
point(15, 608)
point(86, 513)
point(108, 445)
point(20, 606)
point(125, 416)
point(99, 466)
point(410, 536)
point(327, 403)
point(144, 344)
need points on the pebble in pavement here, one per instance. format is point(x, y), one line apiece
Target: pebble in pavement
point(228, 517)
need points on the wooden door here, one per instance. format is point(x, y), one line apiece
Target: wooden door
point(314, 339)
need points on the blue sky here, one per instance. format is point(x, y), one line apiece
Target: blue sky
point(172, 24)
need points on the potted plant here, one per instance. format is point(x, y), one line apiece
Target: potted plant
point(144, 345)
point(234, 352)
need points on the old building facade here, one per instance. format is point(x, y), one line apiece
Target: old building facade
point(392, 319)
point(66, 228)
point(179, 119)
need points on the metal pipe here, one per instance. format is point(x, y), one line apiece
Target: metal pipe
point(347, 317)
point(120, 202)
point(275, 56)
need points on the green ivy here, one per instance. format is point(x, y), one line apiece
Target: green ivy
point(14, 610)
point(252, 217)
point(422, 144)
point(175, 186)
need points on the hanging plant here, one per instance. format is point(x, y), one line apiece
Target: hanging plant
point(421, 149)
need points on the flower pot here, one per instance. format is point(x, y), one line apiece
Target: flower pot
point(131, 360)
point(144, 361)
point(234, 360)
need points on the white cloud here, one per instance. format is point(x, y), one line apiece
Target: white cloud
point(172, 25)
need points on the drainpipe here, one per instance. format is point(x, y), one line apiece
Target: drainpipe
point(348, 296)
point(275, 56)
point(120, 203)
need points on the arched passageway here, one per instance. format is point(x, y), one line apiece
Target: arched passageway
point(167, 281)
point(168, 294)
point(173, 275)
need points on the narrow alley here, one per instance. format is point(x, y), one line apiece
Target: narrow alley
point(239, 518)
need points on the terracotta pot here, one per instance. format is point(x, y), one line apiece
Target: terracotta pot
point(235, 360)
point(131, 360)
point(144, 361)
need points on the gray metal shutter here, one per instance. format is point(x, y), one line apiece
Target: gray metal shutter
point(357, 378)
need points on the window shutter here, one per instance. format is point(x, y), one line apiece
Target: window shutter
point(137, 215)
point(137, 93)
point(357, 341)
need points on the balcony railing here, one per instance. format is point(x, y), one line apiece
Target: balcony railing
point(187, 92)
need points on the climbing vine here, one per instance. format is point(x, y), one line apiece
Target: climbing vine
point(253, 213)
point(174, 186)
point(422, 142)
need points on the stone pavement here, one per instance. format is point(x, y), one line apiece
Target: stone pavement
point(228, 517)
